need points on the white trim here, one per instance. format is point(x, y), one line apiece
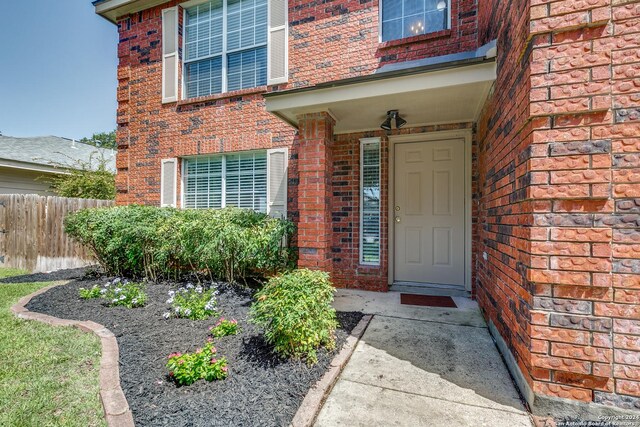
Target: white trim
point(364, 141)
point(465, 134)
point(10, 164)
point(430, 32)
point(284, 150)
point(174, 200)
point(224, 53)
point(316, 99)
point(285, 78)
point(168, 99)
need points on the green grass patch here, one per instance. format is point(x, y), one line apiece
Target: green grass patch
point(48, 375)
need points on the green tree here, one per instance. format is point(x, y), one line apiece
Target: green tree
point(86, 179)
point(102, 140)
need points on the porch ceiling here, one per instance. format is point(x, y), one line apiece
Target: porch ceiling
point(453, 94)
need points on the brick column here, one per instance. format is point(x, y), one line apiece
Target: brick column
point(314, 190)
point(584, 175)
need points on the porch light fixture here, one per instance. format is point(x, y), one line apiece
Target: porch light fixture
point(442, 5)
point(393, 115)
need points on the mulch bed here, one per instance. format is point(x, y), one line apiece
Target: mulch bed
point(261, 390)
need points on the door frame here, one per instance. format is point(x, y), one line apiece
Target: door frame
point(466, 135)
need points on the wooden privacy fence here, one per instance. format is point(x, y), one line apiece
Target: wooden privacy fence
point(32, 233)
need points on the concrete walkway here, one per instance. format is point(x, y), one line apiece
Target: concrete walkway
point(422, 366)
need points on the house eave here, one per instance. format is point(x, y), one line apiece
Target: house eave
point(113, 9)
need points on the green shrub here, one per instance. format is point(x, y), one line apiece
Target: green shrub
point(185, 369)
point(295, 311)
point(224, 328)
point(93, 292)
point(141, 241)
point(192, 302)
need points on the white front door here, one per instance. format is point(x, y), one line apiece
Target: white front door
point(429, 212)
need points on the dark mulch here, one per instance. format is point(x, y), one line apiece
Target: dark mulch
point(261, 389)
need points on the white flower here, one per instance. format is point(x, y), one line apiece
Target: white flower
point(166, 315)
point(189, 285)
point(177, 310)
point(171, 293)
point(170, 300)
point(106, 285)
point(116, 280)
point(187, 312)
point(103, 291)
point(199, 289)
point(123, 297)
point(115, 300)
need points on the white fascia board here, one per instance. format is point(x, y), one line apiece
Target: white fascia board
point(12, 164)
point(113, 9)
point(391, 86)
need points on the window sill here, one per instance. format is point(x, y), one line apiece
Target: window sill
point(218, 96)
point(415, 39)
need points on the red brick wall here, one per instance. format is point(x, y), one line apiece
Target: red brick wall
point(559, 150)
point(504, 138)
point(586, 170)
point(326, 42)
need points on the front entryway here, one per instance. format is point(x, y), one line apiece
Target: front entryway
point(429, 212)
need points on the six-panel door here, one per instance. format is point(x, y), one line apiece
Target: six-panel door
point(429, 212)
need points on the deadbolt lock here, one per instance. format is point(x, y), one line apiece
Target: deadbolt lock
point(397, 208)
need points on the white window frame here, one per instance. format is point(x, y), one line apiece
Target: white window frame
point(425, 34)
point(223, 196)
point(224, 53)
point(363, 142)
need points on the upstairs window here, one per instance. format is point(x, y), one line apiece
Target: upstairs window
point(225, 46)
point(408, 18)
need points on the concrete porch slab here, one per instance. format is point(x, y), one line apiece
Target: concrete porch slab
point(388, 304)
point(422, 366)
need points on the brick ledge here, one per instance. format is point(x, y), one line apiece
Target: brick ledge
point(114, 402)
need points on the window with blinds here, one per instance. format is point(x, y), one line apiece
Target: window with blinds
point(226, 180)
point(225, 46)
point(370, 202)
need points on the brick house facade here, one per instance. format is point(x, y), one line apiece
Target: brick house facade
point(544, 100)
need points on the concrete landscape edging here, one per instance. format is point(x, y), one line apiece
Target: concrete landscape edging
point(114, 402)
point(316, 396)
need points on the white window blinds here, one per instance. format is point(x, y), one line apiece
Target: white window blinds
point(226, 180)
point(370, 201)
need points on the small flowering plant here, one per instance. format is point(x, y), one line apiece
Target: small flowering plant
point(224, 327)
point(93, 292)
point(192, 302)
point(185, 369)
point(124, 293)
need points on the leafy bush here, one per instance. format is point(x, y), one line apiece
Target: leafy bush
point(224, 327)
point(90, 179)
point(192, 302)
point(295, 310)
point(93, 292)
point(185, 369)
point(141, 241)
point(124, 293)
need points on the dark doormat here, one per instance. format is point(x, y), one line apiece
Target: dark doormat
point(427, 300)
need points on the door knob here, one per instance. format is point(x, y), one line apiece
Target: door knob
point(397, 219)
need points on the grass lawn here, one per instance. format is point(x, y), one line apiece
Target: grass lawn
point(48, 375)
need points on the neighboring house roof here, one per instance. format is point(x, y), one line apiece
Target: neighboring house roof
point(47, 153)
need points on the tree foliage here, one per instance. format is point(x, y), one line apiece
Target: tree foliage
point(102, 140)
point(87, 179)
